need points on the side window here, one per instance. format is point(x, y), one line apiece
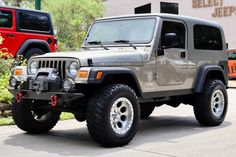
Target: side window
point(34, 21)
point(178, 29)
point(207, 38)
point(5, 19)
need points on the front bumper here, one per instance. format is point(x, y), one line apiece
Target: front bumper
point(62, 96)
point(44, 85)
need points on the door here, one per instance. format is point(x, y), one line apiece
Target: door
point(172, 66)
point(7, 30)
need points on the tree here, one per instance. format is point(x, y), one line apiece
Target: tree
point(71, 19)
point(17, 3)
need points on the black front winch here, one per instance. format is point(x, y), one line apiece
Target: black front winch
point(46, 79)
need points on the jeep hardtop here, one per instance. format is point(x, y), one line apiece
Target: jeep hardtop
point(127, 66)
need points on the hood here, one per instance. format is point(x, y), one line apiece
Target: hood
point(101, 57)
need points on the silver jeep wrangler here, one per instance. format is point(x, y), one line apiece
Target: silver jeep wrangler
point(127, 66)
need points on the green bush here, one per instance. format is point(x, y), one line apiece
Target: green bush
point(5, 95)
point(6, 63)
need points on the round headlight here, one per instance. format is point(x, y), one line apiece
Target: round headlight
point(73, 68)
point(33, 67)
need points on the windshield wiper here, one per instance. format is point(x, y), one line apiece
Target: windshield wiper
point(125, 42)
point(98, 43)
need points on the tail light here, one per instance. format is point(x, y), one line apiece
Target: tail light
point(56, 45)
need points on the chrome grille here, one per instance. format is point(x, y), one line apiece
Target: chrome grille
point(58, 63)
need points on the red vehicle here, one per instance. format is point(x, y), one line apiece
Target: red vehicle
point(232, 63)
point(26, 32)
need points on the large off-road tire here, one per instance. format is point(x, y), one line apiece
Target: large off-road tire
point(31, 120)
point(211, 105)
point(33, 52)
point(113, 115)
point(80, 117)
point(146, 110)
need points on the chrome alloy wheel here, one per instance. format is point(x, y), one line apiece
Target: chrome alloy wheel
point(121, 115)
point(217, 103)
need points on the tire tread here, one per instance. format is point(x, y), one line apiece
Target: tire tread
point(96, 116)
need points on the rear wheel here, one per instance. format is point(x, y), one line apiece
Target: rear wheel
point(30, 118)
point(33, 52)
point(211, 105)
point(113, 115)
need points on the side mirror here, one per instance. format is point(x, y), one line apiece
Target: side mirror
point(170, 40)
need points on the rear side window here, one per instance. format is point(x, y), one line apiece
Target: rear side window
point(5, 19)
point(34, 21)
point(207, 38)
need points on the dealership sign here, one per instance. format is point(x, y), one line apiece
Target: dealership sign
point(220, 10)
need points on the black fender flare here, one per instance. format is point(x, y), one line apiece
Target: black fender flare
point(202, 76)
point(112, 71)
point(28, 42)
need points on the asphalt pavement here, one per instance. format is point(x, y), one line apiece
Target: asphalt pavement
point(168, 132)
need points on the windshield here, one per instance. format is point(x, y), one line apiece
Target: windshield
point(130, 30)
point(231, 55)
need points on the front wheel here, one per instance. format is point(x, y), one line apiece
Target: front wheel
point(80, 117)
point(211, 105)
point(113, 115)
point(33, 117)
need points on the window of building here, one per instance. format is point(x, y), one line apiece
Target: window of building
point(5, 19)
point(171, 8)
point(143, 9)
point(32, 21)
point(178, 29)
point(207, 38)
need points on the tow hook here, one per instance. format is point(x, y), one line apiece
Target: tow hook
point(54, 100)
point(18, 97)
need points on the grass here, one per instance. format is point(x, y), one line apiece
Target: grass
point(9, 120)
point(66, 116)
point(6, 121)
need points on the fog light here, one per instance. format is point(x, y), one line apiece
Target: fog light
point(13, 82)
point(68, 85)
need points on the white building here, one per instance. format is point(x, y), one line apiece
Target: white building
point(221, 11)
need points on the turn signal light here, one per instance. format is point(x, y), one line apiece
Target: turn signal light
point(18, 72)
point(82, 74)
point(99, 75)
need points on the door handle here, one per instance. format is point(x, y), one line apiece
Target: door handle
point(182, 54)
point(10, 35)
